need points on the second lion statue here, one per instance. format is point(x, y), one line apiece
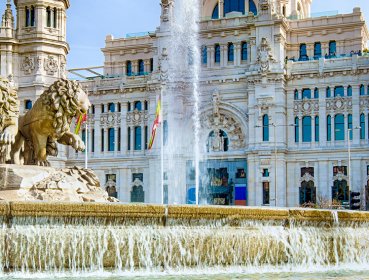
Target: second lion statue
point(48, 123)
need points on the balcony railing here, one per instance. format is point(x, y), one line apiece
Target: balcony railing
point(315, 15)
point(139, 34)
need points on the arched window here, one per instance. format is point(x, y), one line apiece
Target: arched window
point(339, 91)
point(362, 90)
point(349, 91)
point(339, 127)
point(362, 126)
point(329, 128)
point(111, 137)
point(306, 93)
point(307, 193)
point(317, 134)
point(296, 95)
point(55, 17)
point(204, 55)
point(141, 67)
point(48, 16)
point(244, 51)
point(28, 105)
point(151, 64)
point(234, 6)
point(215, 14)
point(265, 128)
point(297, 130)
point(146, 105)
point(332, 48)
point(138, 133)
point(284, 10)
point(230, 52)
point(328, 92)
point(252, 7)
point(218, 141)
point(349, 125)
point(129, 68)
point(33, 17)
point(111, 107)
point(340, 191)
point(316, 93)
point(138, 105)
point(317, 50)
point(28, 17)
point(303, 52)
point(217, 53)
point(306, 129)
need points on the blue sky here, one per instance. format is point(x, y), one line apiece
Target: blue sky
point(90, 21)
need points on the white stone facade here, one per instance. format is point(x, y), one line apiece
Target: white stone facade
point(278, 54)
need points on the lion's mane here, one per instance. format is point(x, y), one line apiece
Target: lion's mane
point(61, 99)
point(9, 105)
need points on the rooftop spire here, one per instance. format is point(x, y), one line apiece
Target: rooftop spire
point(8, 18)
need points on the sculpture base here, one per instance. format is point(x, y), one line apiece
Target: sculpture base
point(32, 183)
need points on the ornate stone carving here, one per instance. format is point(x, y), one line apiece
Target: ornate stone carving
point(9, 113)
point(339, 104)
point(306, 106)
point(110, 119)
point(48, 122)
point(28, 65)
point(164, 66)
point(340, 177)
point(216, 142)
point(137, 117)
point(166, 6)
point(51, 65)
point(265, 56)
point(307, 178)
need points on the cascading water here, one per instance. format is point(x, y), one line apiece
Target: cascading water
point(183, 87)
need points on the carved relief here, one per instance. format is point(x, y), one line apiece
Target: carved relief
point(110, 119)
point(165, 9)
point(28, 65)
point(137, 117)
point(307, 178)
point(265, 56)
point(164, 65)
point(339, 104)
point(51, 65)
point(306, 106)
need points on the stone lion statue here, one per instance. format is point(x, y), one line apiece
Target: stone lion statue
point(48, 123)
point(9, 113)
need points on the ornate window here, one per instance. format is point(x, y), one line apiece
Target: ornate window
point(111, 185)
point(138, 133)
point(218, 141)
point(266, 193)
point(204, 55)
point(362, 126)
point(215, 14)
point(230, 52)
point(306, 93)
point(349, 125)
point(332, 48)
point(316, 93)
point(362, 90)
point(297, 130)
point(317, 135)
point(307, 193)
point(138, 105)
point(329, 128)
point(303, 52)
point(141, 67)
point(340, 191)
point(328, 92)
point(317, 50)
point(265, 128)
point(339, 91)
point(306, 129)
point(244, 51)
point(129, 68)
point(111, 139)
point(137, 192)
point(349, 91)
point(234, 6)
point(217, 53)
point(339, 127)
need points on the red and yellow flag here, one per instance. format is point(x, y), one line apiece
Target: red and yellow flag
point(80, 121)
point(156, 124)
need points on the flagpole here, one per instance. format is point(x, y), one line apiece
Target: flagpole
point(86, 150)
point(162, 146)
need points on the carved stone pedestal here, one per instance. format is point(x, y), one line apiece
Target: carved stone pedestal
point(31, 183)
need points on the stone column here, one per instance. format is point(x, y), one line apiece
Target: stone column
point(132, 138)
point(40, 18)
point(313, 128)
point(116, 142)
point(208, 54)
point(322, 117)
point(222, 57)
point(252, 49)
point(237, 58)
point(142, 138)
point(211, 57)
point(124, 127)
point(97, 127)
point(356, 113)
point(221, 9)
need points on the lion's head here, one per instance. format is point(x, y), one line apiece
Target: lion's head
point(9, 106)
point(66, 100)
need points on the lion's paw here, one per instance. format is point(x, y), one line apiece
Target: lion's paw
point(44, 163)
point(7, 138)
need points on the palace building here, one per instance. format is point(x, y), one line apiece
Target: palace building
point(284, 107)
